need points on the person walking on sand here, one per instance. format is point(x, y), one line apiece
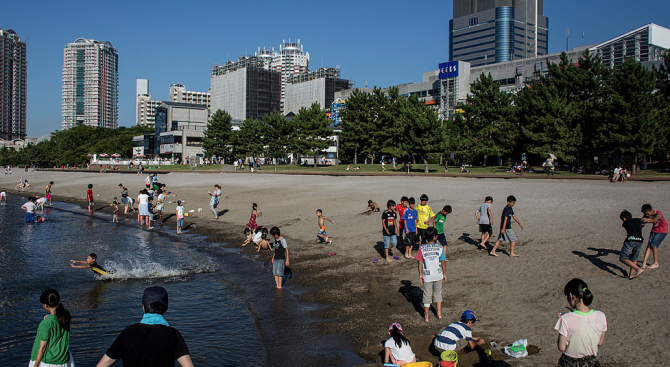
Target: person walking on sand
point(389, 228)
point(252, 219)
point(214, 200)
point(657, 235)
point(280, 258)
point(632, 244)
point(506, 232)
point(47, 192)
point(485, 221)
point(432, 272)
point(581, 331)
point(322, 236)
point(52, 343)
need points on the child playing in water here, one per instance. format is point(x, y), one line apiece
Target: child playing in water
point(180, 216)
point(252, 220)
point(89, 198)
point(115, 214)
point(90, 263)
point(29, 207)
point(321, 224)
point(47, 192)
point(280, 258)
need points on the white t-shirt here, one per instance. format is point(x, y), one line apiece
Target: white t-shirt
point(42, 200)
point(431, 255)
point(404, 353)
point(143, 199)
point(484, 213)
point(257, 237)
point(30, 207)
point(180, 212)
point(583, 331)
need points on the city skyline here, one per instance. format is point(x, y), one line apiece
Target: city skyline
point(384, 43)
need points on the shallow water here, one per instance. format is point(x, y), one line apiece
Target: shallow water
point(213, 316)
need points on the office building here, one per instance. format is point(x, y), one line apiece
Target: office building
point(646, 44)
point(13, 68)
point(484, 32)
point(179, 130)
point(178, 93)
point(320, 86)
point(90, 84)
point(245, 89)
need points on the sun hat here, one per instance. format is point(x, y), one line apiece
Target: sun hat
point(468, 315)
point(396, 325)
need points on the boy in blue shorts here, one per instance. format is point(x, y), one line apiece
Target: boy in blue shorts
point(30, 207)
point(280, 257)
point(389, 228)
point(632, 244)
point(409, 217)
point(506, 232)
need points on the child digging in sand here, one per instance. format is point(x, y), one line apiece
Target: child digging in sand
point(506, 232)
point(632, 244)
point(397, 349)
point(321, 224)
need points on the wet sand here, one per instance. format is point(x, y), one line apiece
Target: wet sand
point(572, 229)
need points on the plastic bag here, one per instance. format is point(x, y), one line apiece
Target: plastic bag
point(517, 349)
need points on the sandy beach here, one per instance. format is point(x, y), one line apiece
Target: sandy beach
point(572, 229)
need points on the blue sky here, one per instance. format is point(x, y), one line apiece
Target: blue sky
point(383, 42)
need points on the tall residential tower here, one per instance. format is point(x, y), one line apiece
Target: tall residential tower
point(491, 31)
point(90, 84)
point(13, 67)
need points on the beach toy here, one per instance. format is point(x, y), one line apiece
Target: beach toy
point(396, 257)
point(193, 211)
point(186, 214)
point(332, 253)
point(375, 261)
point(450, 358)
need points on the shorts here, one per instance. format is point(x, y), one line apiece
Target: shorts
point(390, 241)
point(278, 266)
point(508, 236)
point(69, 363)
point(655, 239)
point(484, 228)
point(441, 239)
point(588, 361)
point(180, 222)
point(30, 217)
point(410, 238)
point(630, 251)
point(432, 291)
point(421, 232)
point(48, 196)
point(3, 194)
point(321, 233)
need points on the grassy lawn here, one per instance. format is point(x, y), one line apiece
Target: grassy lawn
point(416, 169)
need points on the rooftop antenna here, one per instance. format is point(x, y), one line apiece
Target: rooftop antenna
point(583, 38)
point(366, 83)
point(567, 39)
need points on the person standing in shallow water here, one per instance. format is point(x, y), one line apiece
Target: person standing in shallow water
point(581, 331)
point(52, 343)
point(47, 192)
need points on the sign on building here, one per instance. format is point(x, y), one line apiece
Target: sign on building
point(448, 69)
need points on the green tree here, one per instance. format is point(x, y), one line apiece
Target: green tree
point(280, 137)
point(313, 131)
point(357, 124)
point(487, 127)
point(249, 139)
point(422, 131)
point(218, 137)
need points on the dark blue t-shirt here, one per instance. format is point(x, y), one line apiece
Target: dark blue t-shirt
point(410, 219)
point(508, 212)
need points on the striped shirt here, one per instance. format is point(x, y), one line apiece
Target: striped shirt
point(451, 334)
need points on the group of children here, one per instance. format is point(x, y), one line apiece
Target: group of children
point(632, 244)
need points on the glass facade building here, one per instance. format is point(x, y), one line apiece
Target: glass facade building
point(491, 31)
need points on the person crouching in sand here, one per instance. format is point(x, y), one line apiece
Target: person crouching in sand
point(321, 224)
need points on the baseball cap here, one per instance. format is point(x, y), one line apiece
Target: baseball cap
point(154, 294)
point(178, 201)
point(469, 315)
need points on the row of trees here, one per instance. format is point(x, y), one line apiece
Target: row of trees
point(275, 136)
point(582, 111)
point(72, 146)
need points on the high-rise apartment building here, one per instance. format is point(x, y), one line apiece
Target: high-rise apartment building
point(145, 112)
point(90, 84)
point(491, 31)
point(178, 93)
point(13, 67)
point(291, 60)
